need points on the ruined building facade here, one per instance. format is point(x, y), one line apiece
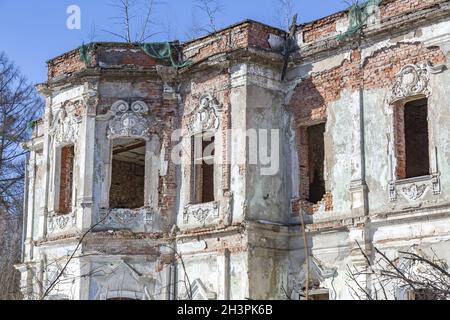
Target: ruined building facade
point(359, 125)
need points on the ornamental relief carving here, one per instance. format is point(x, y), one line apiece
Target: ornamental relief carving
point(416, 189)
point(61, 223)
point(201, 212)
point(412, 80)
point(129, 121)
point(65, 128)
point(138, 220)
point(204, 117)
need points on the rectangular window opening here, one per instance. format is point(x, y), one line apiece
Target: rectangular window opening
point(128, 174)
point(416, 139)
point(66, 180)
point(203, 149)
point(316, 162)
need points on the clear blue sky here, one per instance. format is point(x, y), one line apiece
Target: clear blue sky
point(31, 32)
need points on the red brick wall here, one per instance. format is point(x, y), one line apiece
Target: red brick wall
point(325, 27)
point(224, 41)
point(321, 28)
point(392, 8)
point(381, 68)
point(168, 183)
point(67, 63)
point(304, 172)
point(226, 125)
point(126, 55)
point(248, 34)
point(151, 92)
point(127, 185)
point(258, 35)
point(105, 55)
point(399, 136)
point(313, 94)
point(66, 180)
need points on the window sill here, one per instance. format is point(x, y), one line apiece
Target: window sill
point(414, 179)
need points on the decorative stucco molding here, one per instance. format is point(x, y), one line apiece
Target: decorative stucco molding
point(414, 189)
point(204, 117)
point(436, 184)
point(412, 80)
point(65, 128)
point(201, 212)
point(128, 219)
point(129, 121)
point(61, 223)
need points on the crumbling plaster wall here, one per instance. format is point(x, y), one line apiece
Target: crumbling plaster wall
point(216, 84)
point(134, 277)
point(65, 124)
point(49, 264)
point(328, 85)
point(267, 193)
point(161, 190)
point(321, 96)
point(248, 251)
point(238, 98)
point(379, 114)
point(333, 90)
point(253, 106)
point(215, 260)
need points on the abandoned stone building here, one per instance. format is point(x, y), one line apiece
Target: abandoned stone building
point(358, 126)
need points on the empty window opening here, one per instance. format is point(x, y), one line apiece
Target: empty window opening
point(416, 139)
point(203, 169)
point(128, 174)
point(316, 162)
point(66, 179)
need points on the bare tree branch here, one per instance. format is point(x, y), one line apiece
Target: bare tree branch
point(211, 9)
point(54, 282)
point(426, 278)
point(19, 104)
point(134, 15)
point(284, 13)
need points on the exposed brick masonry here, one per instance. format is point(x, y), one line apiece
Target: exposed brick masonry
point(127, 185)
point(313, 95)
point(104, 55)
point(321, 28)
point(247, 34)
point(326, 27)
point(66, 180)
point(392, 8)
